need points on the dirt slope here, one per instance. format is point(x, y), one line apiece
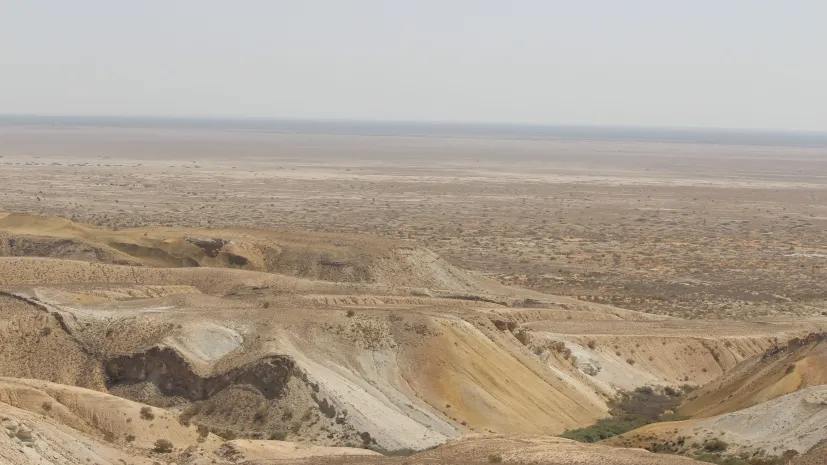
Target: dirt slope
point(791, 422)
point(335, 340)
point(48, 423)
point(815, 456)
point(767, 405)
point(799, 364)
point(31, 341)
point(525, 449)
point(329, 257)
point(409, 375)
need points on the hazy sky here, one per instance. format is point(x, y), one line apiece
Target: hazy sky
point(721, 63)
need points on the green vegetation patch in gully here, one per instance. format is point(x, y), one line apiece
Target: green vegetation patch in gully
point(631, 410)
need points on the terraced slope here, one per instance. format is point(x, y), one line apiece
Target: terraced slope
point(769, 405)
point(800, 363)
point(411, 373)
point(793, 422)
point(336, 341)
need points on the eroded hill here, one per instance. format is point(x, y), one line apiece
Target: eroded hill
point(770, 406)
point(331, 340)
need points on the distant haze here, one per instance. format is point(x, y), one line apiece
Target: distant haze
point(755, 64)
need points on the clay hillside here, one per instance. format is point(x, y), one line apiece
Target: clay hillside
point(162, 345)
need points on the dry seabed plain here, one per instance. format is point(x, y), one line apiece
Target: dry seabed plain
point(229, 297)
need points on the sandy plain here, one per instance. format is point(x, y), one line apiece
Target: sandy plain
point(261, 297)
point(692, 230)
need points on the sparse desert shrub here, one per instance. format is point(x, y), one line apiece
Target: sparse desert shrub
point(715, 445)
point(278, 436)
point(109, 436)
point(308, 414)
point(162, 446)
point(405, 452)
point(146, 413)
point(189, 412)
point(265, 305)
point(260, 415)
point(130, 438)
point(46, 406)
point(203, 431)
point(592, 345)
point(45, 331)
point(630, 361)
point(495, 458)
point(351, 313)
point(523, 336)
point(225, 434)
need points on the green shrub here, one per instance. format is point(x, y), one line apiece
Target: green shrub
point(163, 446)
point(187, 414)
point(260, 415)
point(523, 336)
point(203, 431)
point(630, 410)
point(715, 445)
point(146, 413)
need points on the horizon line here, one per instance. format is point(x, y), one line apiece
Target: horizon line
point(573, 125)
